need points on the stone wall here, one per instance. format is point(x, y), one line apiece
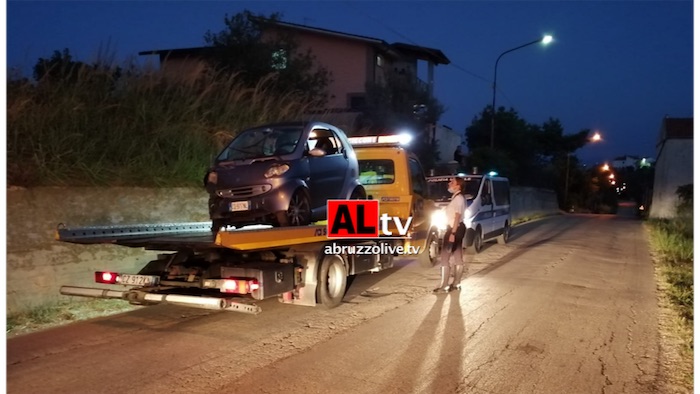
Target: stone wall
point(38, 265)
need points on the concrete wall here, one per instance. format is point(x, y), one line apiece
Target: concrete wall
point(528, 202)
point(674, 168)
point(38, 265)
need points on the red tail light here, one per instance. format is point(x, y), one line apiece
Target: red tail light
point(106, 277)
point(240, 286)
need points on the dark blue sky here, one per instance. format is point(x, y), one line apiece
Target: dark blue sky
point(616, 67)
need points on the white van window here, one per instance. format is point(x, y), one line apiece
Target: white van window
point(501, 192)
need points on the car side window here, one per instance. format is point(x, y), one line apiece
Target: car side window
point(325, 140)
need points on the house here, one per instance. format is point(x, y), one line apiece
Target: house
point(353, 60)
point(631, 162)
point(674, 165)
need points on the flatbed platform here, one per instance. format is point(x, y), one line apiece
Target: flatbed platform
point(196, 235)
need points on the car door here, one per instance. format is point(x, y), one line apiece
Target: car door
point(326, 172)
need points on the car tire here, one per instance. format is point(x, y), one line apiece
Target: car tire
point(478, 243)
point(431, 254)
point(217, 224)
point(298, 213)
point(332, 281)
point(358, 194)
point(503, 238)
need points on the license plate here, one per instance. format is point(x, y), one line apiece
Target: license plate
point(138, 280)
point(240, 206)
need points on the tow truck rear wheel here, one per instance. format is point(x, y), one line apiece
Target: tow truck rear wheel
point(431, 254)
point(332, 281)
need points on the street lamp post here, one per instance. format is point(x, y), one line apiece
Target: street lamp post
point(545, 40)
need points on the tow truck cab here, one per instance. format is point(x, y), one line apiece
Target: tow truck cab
point(394, 176)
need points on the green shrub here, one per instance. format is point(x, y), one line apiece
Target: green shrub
point(148, 128)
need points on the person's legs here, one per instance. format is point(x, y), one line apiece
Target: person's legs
point(444, 265)
point(458, 258)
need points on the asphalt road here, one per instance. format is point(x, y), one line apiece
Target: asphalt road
point(568, 306)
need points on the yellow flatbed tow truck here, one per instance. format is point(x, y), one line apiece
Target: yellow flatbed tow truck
point(236, 267)
point(232, 269)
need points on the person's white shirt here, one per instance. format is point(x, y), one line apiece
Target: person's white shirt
point(457, 205)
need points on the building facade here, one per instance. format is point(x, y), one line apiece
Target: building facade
point(674, 165)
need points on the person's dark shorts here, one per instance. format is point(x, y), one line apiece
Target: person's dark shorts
point(459, 235)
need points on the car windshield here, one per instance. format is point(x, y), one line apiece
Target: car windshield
point(261, 142)
point(437, 188)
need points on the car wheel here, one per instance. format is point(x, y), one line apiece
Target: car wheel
point(358, 194)
point(503, 238)
point(298, 213)
point(217, 224)
point(332, 281)
point(478, 241)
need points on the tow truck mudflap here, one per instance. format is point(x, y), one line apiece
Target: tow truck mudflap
point(136, 296)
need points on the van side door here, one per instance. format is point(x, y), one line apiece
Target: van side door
point(487, 208)
point(501, 199)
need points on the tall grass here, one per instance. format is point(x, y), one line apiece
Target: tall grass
point(672, 239)
point(144, 128)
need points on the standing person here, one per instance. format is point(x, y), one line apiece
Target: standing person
point(452, 241)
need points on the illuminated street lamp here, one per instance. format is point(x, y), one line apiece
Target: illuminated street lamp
point(544, 40)
point(605, 167)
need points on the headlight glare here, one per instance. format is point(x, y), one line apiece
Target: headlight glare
point(276, 170)
point(439, 219)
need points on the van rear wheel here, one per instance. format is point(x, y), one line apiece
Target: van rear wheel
point(478, 243)
point(503, 238)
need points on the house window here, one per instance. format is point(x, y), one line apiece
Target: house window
point(380, 61)
point(279, 59)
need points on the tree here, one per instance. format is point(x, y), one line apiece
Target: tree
point(243, 48)
point(402, 102)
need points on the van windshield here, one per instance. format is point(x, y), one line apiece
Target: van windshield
point(437, 188)
point(261, 142)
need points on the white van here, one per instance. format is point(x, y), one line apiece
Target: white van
point(487, 216)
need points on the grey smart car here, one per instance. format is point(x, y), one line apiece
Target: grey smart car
point(281, 174)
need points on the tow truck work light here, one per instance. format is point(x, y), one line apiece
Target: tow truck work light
point(396, 139)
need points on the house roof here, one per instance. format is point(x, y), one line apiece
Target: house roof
point(395, 49)
point(677, 128)
point(423, 53)
point(181, 51)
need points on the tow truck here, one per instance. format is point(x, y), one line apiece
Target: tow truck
point(236, 267)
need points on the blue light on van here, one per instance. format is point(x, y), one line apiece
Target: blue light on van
point(493, 173)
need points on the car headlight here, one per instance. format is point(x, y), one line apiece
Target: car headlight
point(439, 219)
point(276, 170)
point(212, 178)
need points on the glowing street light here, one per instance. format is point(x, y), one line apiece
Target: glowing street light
point(605, 167)
point(544, 40)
